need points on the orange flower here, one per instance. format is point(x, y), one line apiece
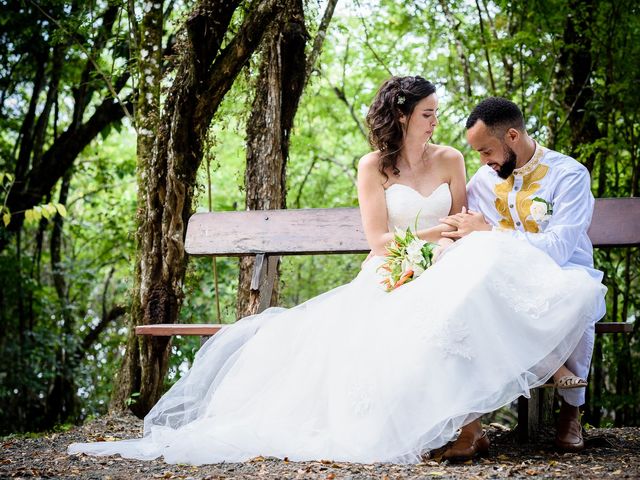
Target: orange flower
point(407, 275)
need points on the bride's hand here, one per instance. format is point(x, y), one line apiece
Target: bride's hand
point(443, 244)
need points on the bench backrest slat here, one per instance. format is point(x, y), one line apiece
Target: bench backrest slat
point(616, 222)
point(285, 232)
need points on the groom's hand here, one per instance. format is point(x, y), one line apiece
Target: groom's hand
point(465, 223)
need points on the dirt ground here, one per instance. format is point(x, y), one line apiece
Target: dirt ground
point(610, 453)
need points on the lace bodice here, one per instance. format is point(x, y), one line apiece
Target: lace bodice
point(404, 204)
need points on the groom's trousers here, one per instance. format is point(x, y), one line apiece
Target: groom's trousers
point(580, 360)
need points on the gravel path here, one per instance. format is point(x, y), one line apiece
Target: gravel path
point(610, 453)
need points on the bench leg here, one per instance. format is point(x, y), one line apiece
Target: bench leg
point(267, 282)
point(265, 269)
point(535, 414)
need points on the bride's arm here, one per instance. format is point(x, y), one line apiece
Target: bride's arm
point(434, 234)
point(456, 172)
point(373, 206)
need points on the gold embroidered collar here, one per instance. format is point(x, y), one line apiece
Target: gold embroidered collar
point(531, 165)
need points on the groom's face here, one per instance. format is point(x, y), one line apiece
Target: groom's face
point(493, 151)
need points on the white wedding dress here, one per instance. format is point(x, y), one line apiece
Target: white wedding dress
point(358, 374)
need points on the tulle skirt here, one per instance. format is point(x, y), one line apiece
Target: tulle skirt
point(361, 375)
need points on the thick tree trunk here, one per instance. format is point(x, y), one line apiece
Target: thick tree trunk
point(204, 75)
point(576, 65)
point(147, 120)
point(278, 90)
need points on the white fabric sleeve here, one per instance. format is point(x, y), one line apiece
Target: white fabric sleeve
point(572, 211)
point(472, 196)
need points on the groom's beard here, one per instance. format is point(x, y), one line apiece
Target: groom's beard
point(509, 164)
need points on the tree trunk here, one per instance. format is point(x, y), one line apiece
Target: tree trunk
point(576, 65)
point(278, 90)
point(167, 180)
point(152, 351)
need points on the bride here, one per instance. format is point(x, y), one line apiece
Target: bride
point(363, 375)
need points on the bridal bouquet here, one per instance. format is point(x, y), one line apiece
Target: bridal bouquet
point(407, 258)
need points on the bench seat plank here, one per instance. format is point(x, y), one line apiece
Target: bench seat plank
point(169, 329)
point(614, 327)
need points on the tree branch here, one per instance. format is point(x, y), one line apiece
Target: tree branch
point(108, 316)
point(340, 94)
point(231, 60)
point(319, 40)
point(59, 157)
point(455, 26)
point(486, 49)
point(111, 11)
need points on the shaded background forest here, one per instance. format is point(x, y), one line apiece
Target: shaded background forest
point(118, 119)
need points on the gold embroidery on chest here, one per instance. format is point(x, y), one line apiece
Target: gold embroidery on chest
point(524, 199)
point(502, 203)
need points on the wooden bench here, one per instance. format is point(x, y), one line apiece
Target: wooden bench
point(270, 234)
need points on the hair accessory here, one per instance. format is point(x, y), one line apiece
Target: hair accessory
point(400, 100)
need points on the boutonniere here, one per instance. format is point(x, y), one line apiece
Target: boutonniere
point(541, 210)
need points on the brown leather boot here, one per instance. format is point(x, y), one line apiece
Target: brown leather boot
point(467, 446)
point(569, 431)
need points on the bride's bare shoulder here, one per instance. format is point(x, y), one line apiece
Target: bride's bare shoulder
point(368, 165)
point(446, 153)
point(369, 161)
point(369, 170)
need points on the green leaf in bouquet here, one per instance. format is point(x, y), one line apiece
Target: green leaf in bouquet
point(415, 223)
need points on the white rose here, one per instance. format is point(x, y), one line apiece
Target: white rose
point(539, 211)
point(414, 249)
point(417, 270)
point(406, 265)
point(416, 259)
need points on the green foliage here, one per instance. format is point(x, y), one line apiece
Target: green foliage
point(31, 215)
point(98, 238)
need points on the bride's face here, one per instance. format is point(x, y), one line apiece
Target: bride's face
point(423, 120)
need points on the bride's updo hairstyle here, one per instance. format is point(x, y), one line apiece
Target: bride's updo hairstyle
point(397, 96)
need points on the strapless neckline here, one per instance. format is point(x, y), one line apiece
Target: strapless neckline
point(406, 207)
point(416, 191)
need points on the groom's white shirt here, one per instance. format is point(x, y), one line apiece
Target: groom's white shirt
point(559, 180)
point(565, 185)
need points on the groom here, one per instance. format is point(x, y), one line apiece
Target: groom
point(541, 197)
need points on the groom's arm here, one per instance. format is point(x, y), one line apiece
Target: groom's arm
point(572, 210)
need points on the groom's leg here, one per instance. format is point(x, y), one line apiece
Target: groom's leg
point(569, 431)
point(580, 360)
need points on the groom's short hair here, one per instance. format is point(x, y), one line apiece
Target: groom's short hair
point(498, 114)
